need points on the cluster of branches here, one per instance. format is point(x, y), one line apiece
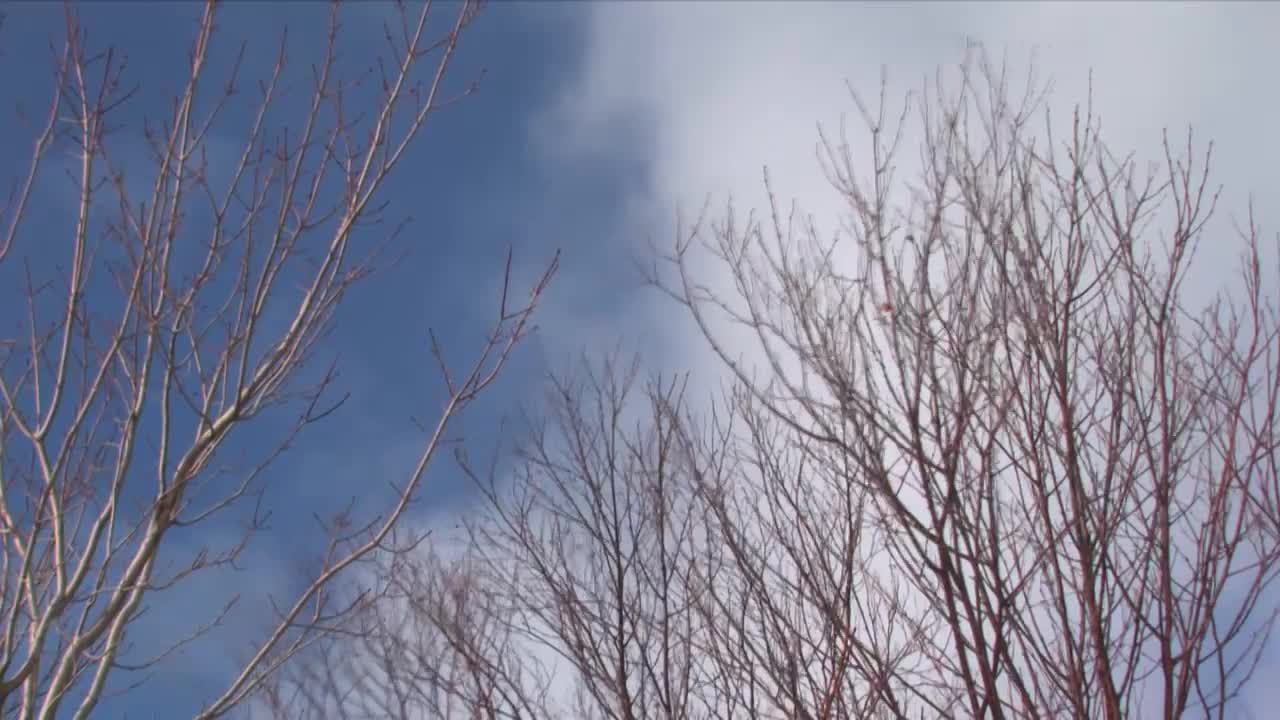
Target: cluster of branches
point(983, 456)
point(168, 319)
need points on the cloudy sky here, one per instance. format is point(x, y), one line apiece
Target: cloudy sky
point(596, 124)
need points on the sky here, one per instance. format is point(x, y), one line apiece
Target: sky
point(596, 126)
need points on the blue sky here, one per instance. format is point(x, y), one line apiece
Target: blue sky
point(473, 187)
point(594, 126)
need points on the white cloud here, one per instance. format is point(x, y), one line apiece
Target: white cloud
point(724, 89)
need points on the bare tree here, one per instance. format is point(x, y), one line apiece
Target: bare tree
point(591, 537)
point(179, 317)
point(998, 464)
point(982, 455)
point(572, 598)
point(433, 645)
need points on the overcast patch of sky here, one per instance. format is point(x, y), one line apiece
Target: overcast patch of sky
point(731, 87)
